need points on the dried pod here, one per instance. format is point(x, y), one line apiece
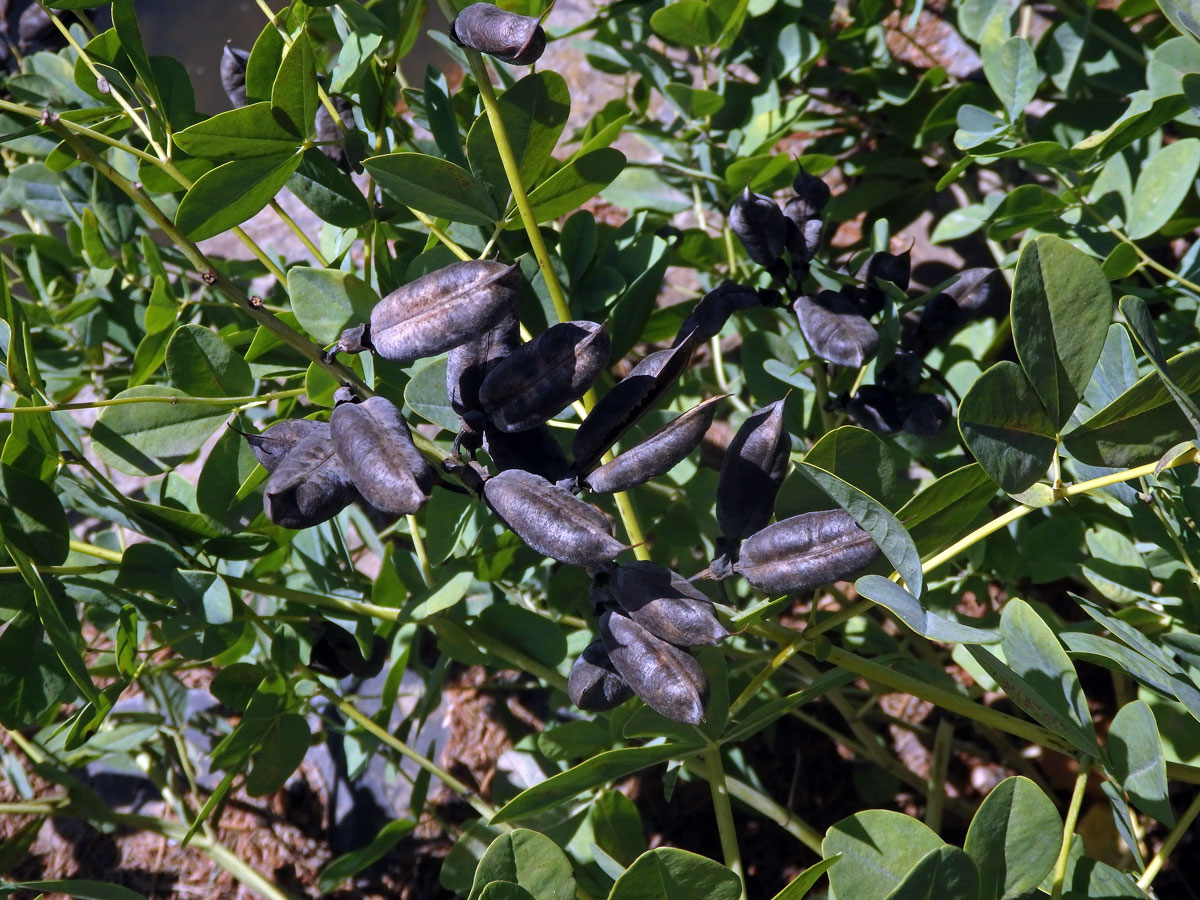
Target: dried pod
point(338, 140)
point(760, 226)
point(884, 266)
point(803, 235)
point(977, 292)
point(540, 379)
point(468, 364)
point(657, 454)
point(436, 312)
point(377, 451)
point(594, 685)
point(233, 74)
point(623, 406)
point(534, 451)
point(663, 603)
point(310, 484)
point(276, 442)
point(752, 471)
point(811, 194)
point(876, 408)
point(507, 36)
point(926, 414)
point(834, 329)
point(902, 374)
point(708, 317)
point(336, 653)
point(552, 520)
point(806, 551)
point(667, 679)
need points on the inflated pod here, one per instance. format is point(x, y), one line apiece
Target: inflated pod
point(552, 520)
point(664, 603)
point(310, 485)
point(505, 35)
point(926, 414)
point(336, 653)
point(272, 445)
point(978, 292)
point(468, 364)
point(594, 685)
point(834, 329)
point(709, 316)
point(540, 379)
point(806, 551)
point(902, 374)
point(760, 226)
point(811, 193)
point(803, 234)
point(233, 74)
point(534, 451)
point(752, 471)
point(623, 406)
point(436, 312)
point(667, 679)
point(376, 448)
point(885, 266)
point(876, 408)
point(656, 455)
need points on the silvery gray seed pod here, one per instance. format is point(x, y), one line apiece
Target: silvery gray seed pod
point(806, 551)
point(436, 312)
point(667, 679)
point(623, 406)
point(803, 231)
point(977, 293)
point(505, 35)
point(835, 331)
point(276, 442)
point(468, 364)
point(664, 603)
point(310, 485)
point(233, 74)
point(759, 225)
point(926, 414)
point(535, 450)
point(657, 454)
point(552, 520)
point(376, 448)
point(811, 191)
point(540, 379)
point(708, 317)
point(594, 685)
point(752, 471)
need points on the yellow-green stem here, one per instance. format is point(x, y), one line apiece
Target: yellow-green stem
point(725, 825)
point(418, 540)
point(1072, 818)
point(1169, 845)
point(174, 400)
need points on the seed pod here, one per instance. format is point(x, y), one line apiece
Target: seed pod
point(623, 406)
point(760, 226)
point(668, 679)
point(902, 375)
point(708, 317)
point(377, 450)
point(341, 145)
point(835, 331)
point(336, 653)
point(806, 551)
point(657, 454)
point(552, 520)
point(276, 442)
point(663, 603)
point(803, 234)
point(233, 74)
point(876, 408)
point(752, 471)
point(310, 484)
point(811, 194)
point(438, 311)
point(540, 379)
point(926, 414)
point(468, 364)
point(594, 685)
point(978, 292)
point(534, 451)
point(515, 39)
point(884, 266)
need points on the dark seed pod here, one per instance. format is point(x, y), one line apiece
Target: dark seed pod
point(336, 653)
point(978, 292)
point(884, 266)
point(709, 316)
point(926, 414)
point(436, 312)
point(657, 454)
point(803, 235)
point(623, 406)
point(233, 74)
point(594, 685)
point(667, 679)
point(552, 520)
point(540, 379)
point(835, 331)
point(876, 408)
point(377, 451)
point(902, 374)
point(663, 603)
point(507, 36)
point(811, 194)
point(534, 451)
point(468, 364)
point(752, 471)
point(276, 442)
point(310, 485)
point(806, 551)
point(759, 225)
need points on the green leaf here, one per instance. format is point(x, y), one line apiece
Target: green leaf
point(200, 363)
point(1012, 72)
point(266, 56)
point(283, 747)
point(579, 180)
point(124, 17)
point(505, 890)
point(231, 193)
point(425, 394)
point(1135, 752)
point(690, 23)
point(294, 91)
point(433, 186)
point(1005, 426)
point(1165, 182)
point(944, 873)
point(32, 678)
point(858, 457)
point(799, 886)
point(350, 864)
point(617, 827)
point(670, 874)
point(1137, 316)
point(1026, 206)
point(1183, 15)
point(1061, 310)
point(32, 517)
point(697, 103)
point(943, 511)
point(243, 133)
point(587, 775)
point(908, 610)
point(530, 860)
point(326, 301)
point(442, 120)
point(1143, 423)
point(84, 890)
point(1008, 839)
point(131, 437)
point(328, 191)
point(878, 848)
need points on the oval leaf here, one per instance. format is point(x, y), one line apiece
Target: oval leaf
point(1005, 426)
point(131, 437)
point(433, 186)
point(231, 193)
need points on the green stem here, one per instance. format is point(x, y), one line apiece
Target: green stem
point(936, 783)
point(98, 552)
point(1072, 818)
point(174, 400)
point(414, 529)
point(1169, 845)
point(62, 570)
point(724, 813)
point(434, 229)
